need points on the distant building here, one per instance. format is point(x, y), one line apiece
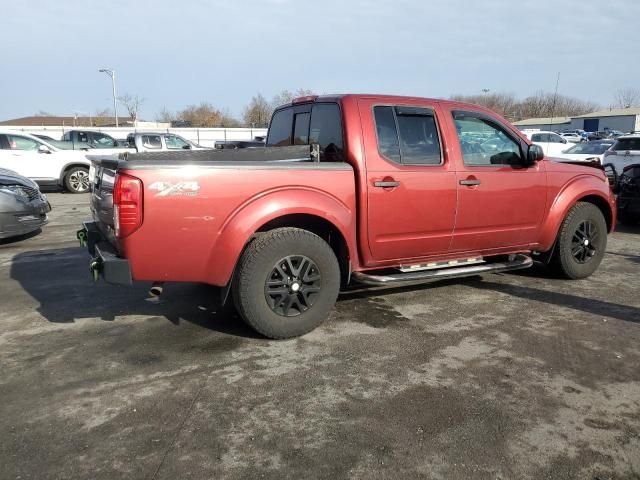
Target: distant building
point(622, 119)
point(552, 124)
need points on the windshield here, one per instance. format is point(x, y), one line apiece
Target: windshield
point(589, 148)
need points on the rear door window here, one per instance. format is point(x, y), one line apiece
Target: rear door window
point(408, 135)
point(151, 141)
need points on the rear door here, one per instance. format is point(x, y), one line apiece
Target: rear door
point(501, 203)
point(411, 187)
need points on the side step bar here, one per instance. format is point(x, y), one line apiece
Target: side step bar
point(515, 262)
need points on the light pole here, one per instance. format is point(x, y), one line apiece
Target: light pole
point(112, 74)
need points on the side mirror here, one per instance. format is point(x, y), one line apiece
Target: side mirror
point(44, 149)
point(534, 154)
point(186, 147)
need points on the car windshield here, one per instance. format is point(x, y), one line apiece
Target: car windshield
point(589, 148)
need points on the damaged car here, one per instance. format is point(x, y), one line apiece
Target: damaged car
point(23, 208)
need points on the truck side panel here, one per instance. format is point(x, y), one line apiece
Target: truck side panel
point(197, 220)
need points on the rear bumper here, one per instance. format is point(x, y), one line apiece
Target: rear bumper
point(105, 261)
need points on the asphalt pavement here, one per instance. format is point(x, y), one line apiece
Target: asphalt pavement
point(511, 376)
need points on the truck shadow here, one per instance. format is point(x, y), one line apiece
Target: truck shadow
point(59, 280)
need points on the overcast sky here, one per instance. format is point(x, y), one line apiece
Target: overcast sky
point(180, 52)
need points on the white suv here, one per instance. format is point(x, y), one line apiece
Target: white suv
point(551, 143)
point(40, 161)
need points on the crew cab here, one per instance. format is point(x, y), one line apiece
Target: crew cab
point(90, 139)
point(160, 141)
point(368, 189)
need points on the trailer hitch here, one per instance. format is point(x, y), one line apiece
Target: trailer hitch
point(95, 267)
point(82, 237)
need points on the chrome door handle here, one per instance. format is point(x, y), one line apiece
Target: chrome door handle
point(387, 184)
point(470, 182)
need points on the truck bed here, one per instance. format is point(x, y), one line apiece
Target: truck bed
point(191, 203)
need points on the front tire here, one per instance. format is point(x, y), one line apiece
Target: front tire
point(581, 242)
point(76, 180)
point(287, 282)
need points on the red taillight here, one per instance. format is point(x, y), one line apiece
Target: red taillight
point(127, 204)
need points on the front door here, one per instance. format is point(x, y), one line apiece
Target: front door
point(411, 187)
point(501, 202)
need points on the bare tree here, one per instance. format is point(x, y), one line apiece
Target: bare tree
point(102, 117)
point(203, 115)
point(165, 116)
point(627, 98)
point(258, 112)
point(43, 113)
point(132, 104)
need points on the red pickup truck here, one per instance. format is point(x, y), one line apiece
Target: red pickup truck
point(372, 189)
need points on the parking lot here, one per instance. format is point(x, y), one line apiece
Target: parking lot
point(518, 375)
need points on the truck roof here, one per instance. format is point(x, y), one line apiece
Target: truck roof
point(382, 98)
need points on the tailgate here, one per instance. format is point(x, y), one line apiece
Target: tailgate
point(102, 198)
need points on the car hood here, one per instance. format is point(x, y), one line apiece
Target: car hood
point(9, 177)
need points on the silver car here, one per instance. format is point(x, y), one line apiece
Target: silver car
point(23, 208)
point(625, 151)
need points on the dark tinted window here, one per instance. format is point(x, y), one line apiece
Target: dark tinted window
point(301, 129)
point(387, 133)
point(280, 129)
point(485, 142)
point(419, 142)
point(627, 144)
point(82, 137)
point(540, 137)
point(326, 130)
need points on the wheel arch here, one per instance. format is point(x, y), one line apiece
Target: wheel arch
point(64, 170)
point(583, 189)
point(311, 210)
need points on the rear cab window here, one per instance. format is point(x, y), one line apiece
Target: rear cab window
point(408, 135)
point(306, 124)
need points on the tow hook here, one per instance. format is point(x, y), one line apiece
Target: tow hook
point(95, 267)
point(81, 235)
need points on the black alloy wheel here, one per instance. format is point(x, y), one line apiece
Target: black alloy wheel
point(293, 285)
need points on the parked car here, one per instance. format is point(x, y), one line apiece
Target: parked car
point(160, 141)
point(44, 163)
point(625, 151)
point(572, 137)
point(371, 189)
point(586, 152)
point(628, 189)
point(90, 139)
point(551, 142)
point(23, 209)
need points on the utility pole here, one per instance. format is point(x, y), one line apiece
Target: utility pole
point(112, 74)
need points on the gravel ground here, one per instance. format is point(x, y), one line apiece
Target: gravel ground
point(511, 376)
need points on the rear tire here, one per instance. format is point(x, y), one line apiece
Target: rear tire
point(581, 242)
point(287, 282)
point(76, 180)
